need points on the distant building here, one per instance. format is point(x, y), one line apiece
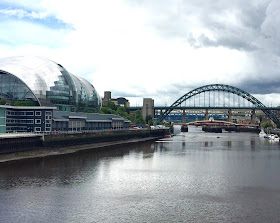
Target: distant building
point(148, 108)
point(117, 101)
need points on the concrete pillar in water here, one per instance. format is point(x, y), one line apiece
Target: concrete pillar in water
point(206, 115)
point(229, 115)
point(253, 117)
point(184, 116)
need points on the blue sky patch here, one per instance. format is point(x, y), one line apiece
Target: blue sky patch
point(8, 12)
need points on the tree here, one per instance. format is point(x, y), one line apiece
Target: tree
point(3, 101)
point(111, 108)
point(148, 118)
point(138, 118)
point(24, 103)
point(266, 124)
point(260, 117)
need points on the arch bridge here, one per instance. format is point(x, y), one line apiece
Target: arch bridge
point(219, 96)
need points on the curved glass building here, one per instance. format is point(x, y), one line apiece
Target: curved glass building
point(37, 81)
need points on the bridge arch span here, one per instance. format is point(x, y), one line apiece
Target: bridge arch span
point(225, 88)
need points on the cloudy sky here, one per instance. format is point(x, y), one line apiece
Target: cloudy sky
point(152, 48)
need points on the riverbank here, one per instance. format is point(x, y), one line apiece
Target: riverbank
point(47, 152)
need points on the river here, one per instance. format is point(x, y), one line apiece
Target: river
point(191, 177)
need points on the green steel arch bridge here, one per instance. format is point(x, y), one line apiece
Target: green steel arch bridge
point(219, 97)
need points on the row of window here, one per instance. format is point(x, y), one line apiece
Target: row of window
point(16, 128)
point(29, 113)
point(21, 121)
point(28, 121)
point(25, 129)
point(38, 129)
point(24, 113)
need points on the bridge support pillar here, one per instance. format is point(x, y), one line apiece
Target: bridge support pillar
point(206, 114)
point(148, 109)
point(229, 115)
point(253, 117)
point(184, 116)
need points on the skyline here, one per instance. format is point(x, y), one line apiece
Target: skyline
point(158, 49)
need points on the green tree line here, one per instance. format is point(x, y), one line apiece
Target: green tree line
point(18, 103)
point(111, 108)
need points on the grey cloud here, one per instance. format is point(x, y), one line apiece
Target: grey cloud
point(229, 42)
point(260, 87)
point(248, 26)
point(234, 24)
point(250, 85)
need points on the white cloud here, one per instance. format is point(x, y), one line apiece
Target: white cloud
point(20, 13)
point(142, 48)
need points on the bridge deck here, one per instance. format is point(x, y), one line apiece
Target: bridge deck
point(207, 107)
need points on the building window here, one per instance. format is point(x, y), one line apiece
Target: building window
point(48, 129)
point(37, 113)
point(48, 113)
point(30, 121)
point(30, 113)
point(37, 121)
point(37, 129)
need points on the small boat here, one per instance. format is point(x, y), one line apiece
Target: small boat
point(276, 138)
point(273, 137)
point(262, 133)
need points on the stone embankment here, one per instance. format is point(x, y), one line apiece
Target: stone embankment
point(22, 146)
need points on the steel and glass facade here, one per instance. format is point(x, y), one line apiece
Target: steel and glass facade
point(42, 82)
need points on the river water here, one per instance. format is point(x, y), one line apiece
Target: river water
point(191, 177)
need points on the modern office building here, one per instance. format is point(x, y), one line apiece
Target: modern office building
point(36, 81)
point(47, 119)
point(25, 119)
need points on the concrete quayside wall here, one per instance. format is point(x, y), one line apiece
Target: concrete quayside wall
point(10, 143)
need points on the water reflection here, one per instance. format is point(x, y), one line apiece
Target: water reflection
point(66, 170)
point(192, 177)
point(252, 144)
